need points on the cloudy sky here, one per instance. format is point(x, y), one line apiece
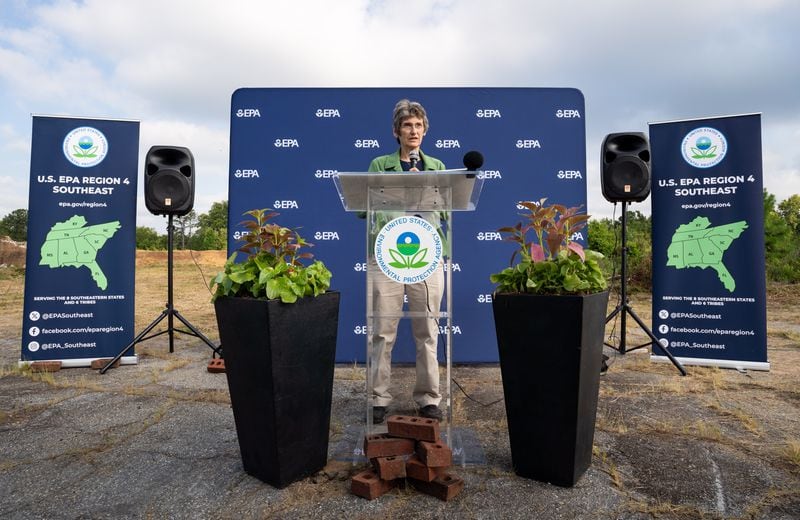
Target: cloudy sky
point(173, 65)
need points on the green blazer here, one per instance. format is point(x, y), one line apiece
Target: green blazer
point(391, 163)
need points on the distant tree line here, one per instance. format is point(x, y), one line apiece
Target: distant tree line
point(15, 225)
point(781, 238)
point(781, 241)
point(192, 231)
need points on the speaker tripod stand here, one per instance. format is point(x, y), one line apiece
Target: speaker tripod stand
point(624, 308)
point(169, 313)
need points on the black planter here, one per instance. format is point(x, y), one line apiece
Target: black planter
point(279, 361)
point(551, 351)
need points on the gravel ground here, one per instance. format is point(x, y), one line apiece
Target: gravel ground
point(157, 440)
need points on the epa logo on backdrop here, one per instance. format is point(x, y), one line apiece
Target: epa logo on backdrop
point(85, 146)
point(704, 147)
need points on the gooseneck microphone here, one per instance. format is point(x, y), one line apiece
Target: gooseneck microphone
point(473, 160)
point(413, 157)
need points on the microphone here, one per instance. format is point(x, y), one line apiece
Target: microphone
point(473, 160)
point(413, 157)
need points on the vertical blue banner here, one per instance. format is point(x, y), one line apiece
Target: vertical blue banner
point(287, 143)
point(709, 280)
point(81, 257)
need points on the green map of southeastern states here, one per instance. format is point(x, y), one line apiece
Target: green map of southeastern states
point(71, 244)
point(698, 245)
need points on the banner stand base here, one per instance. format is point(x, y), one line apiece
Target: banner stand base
point(719, 363)
point(84, 362)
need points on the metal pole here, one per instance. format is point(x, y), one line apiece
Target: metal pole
point(170, 321)
point(624, 286)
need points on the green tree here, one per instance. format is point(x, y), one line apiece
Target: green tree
point(148, 238)
point(605, 237)
point(184, 229)
point(781, 245)
point(212, 228)
point(216, 218)
point(789, 209)
point(640, 250)
point(602, 237)
point(206, 239)
point(15, 225)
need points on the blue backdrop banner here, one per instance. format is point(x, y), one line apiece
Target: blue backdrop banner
point(709, 287)
point(81, 258)
point(287, 143)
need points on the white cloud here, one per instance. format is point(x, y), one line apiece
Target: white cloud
point(174, 64)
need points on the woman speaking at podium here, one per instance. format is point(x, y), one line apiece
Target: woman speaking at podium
point(410, 124)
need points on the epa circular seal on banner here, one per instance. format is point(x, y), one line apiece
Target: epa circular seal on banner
point(85, 146)
point(408, 249)
point(704, 147)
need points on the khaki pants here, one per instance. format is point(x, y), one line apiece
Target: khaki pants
point(388, 298)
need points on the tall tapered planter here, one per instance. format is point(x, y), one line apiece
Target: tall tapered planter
point(550, 357)
point(279, 361)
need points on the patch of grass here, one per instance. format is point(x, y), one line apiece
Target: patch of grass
point(458, 410)
point(37, 377)
point(746, 420)
point(609, 467)
point(490, 471)
point(15, 370)
point(612, 423)
point(785, 334)
point(12, 272)
point(82, 383)
point(792, 452)
point(335, 427)
point(705, 430)
point(354, 373)
point(216, 396)
point(668, 510)
point(772, 499)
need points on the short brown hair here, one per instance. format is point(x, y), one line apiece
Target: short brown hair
point(405, 108)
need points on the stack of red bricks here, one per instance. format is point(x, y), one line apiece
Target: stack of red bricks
point(412, 451)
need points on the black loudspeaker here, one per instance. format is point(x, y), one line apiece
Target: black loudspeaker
point(625, 164)
point(169, 180)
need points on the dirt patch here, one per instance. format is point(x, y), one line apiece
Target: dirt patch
point(214, 257)
point(12, 253)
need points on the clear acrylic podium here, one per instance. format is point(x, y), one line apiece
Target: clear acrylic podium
point(430, 195)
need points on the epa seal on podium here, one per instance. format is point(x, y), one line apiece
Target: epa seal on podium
point(408, 249)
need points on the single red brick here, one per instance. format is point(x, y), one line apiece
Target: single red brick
point(97, 364)
point(368, 485)
point(443, 487)
point(417, 470)
point(410, 427)
point(216, 366)
point(435, 454)
point(45, 366)
point(382, 445)
point(390, 468)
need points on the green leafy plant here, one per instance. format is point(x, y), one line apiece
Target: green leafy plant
point(552, 263)
point(273, 268)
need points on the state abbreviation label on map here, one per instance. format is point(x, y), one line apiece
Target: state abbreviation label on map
point(698, 245)
point(73, 244)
